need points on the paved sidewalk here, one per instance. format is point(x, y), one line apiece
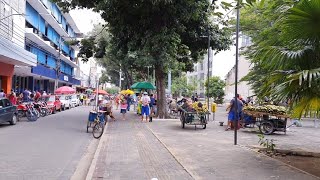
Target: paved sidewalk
point(131, 151)
point(161, 149)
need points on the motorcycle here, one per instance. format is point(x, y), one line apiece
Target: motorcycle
point(27, 110)
point(41, 108)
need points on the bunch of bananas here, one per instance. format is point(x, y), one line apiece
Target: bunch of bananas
point(200, 108)
point(267, 109)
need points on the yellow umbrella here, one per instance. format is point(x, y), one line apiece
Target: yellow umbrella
point(128, 91)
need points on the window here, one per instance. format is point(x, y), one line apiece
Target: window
point(6, 103)
point(1, 104)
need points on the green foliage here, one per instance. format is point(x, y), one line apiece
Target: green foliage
point(112, 90)
point(216, 89)
point(181, 87)
point(267, 143)
point(286, 52)
point(157, 33)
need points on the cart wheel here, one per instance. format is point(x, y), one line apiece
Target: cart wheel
point(204, 126)
point(266, 127)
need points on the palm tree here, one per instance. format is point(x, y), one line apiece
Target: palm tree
point(292, 58)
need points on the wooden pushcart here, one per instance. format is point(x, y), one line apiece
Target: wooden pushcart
point(193, 118)
point(268, 123)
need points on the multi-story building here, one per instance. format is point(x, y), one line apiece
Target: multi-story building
point(198, 77)
point(12, 41)
point(243, 68)
point(47, 33)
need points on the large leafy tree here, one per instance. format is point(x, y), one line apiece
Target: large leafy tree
point(159, 32)
point(290, 58)
point(216, 89)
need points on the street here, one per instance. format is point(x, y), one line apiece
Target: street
point(49, 148)
point(54, 146)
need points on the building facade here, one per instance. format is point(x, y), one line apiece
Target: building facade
point(12, 42)
point(244, 66)
point(47, 33)
point(198, 77)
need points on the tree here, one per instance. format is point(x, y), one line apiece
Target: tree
point(290, 58)
point(216, 89)
point(180, 87)
point(159, 32)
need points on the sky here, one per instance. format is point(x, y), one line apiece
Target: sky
point(85, 19)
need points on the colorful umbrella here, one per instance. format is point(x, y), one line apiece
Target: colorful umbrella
point(100, 91)
point(89, 90)
point(65, 90)
point(128, 91)
point(143, 85)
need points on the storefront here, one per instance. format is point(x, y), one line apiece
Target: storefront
point(6, 72)
point(12, 55)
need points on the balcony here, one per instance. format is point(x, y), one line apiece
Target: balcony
point(11, 53)
point(46, 45)
point(47, 16)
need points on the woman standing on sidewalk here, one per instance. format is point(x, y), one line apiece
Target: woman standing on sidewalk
point(123, 108)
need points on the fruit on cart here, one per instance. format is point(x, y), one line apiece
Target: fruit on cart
point(199, 107)
point(272, 109)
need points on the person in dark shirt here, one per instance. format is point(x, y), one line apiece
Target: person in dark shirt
point(151, 105)
point(232, 116)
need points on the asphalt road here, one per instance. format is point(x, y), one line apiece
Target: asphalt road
point(49, 148)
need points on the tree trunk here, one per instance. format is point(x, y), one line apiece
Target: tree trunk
point(161, 93)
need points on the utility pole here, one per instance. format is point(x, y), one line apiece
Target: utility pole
point(208, 75)
point(56, 82)
point(169, 82)
point(120, 77)
point(236, 76)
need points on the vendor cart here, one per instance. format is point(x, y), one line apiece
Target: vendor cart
point(193, 118)
point(268, 123)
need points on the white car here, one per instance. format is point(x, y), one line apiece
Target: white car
point(75, 101)
point(65, 102)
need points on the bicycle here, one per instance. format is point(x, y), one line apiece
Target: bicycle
point(97, 122)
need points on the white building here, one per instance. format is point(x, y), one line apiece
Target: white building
point(12, 42)
point(199, 75)
point(243, 68)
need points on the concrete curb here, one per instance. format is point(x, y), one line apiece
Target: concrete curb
point(256, 151)
point(292, 152)
point(96, 154)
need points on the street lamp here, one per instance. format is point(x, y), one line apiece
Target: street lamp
point(19, 14)
point(208, 67)
point(236, 75)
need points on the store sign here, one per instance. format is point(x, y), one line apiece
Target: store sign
point(65, 78)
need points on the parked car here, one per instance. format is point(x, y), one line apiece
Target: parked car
point(53, 103)
point(75, 101)
point(65, 101)
point(8, 112)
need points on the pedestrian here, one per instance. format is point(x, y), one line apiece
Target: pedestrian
point(129, 102)
point(44, 93)
point(12, 97)
point(81, 98)
point(145, 106)
point(25, 95)
point(37, 96)
point(151, 105)
point(123, 108)
point(117, 100)
point(232, 116)
point(2, 94)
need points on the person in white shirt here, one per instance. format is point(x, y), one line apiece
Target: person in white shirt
point(145, 99)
